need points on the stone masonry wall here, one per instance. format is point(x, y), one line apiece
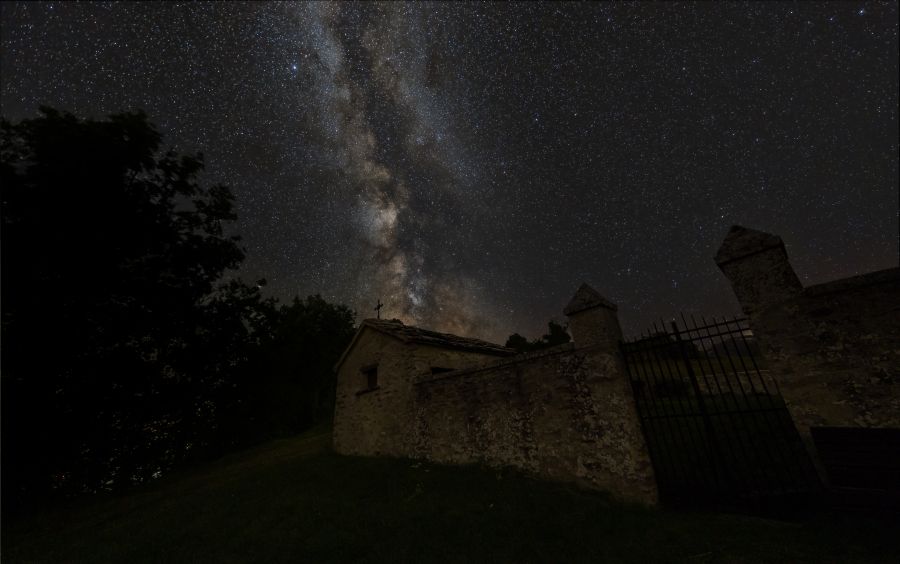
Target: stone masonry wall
point(564, 414)
point(836, 351)
point(370, 422)
point(378, 422)
point(834, 348)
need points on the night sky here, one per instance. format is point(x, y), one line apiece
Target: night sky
point(471, 164)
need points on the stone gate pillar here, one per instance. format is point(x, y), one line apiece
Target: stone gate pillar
point(831, 347)
point(593, 320)
point(620, 460)
point(757, 266)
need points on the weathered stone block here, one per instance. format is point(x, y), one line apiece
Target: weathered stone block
point(833, 347)
point(564, 413)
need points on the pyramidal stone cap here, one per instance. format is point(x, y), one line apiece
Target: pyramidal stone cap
point(742, 242)
point(586, 298)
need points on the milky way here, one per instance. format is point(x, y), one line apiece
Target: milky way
point(389, 135)
point(471, 164)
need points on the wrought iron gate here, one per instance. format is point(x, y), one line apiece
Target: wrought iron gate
point(717, 428)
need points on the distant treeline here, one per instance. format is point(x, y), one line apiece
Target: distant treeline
point(557, 334)
point(127, 348)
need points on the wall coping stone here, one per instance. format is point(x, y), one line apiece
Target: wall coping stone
point(586, 298)
point(742, 242)
point(844, 284)
point(492, 364)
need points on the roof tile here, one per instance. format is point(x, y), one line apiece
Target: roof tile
point(411, 334)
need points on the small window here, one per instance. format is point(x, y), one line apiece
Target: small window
point(440, 369)
point(370, 375)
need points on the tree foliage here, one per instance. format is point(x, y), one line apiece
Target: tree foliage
point(293, 380)
point(125, 348)
point(518, 342)
point(557, 334)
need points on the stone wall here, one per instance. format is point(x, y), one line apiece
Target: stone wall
point(370, 422)
point(564, 414)
point(834, 348)
point(378, 422)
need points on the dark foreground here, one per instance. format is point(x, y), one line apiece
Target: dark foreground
point(294, 501)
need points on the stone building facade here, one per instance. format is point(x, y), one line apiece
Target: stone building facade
point(568, 413)
point(834, 347)
point(374, 404)
point(564, 413)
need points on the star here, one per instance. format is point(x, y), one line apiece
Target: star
point(472, 164)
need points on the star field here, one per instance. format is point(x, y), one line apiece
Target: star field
point(471, 164)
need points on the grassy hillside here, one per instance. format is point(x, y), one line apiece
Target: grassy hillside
point(294, 501)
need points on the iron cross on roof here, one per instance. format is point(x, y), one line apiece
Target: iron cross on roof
point(378, 309)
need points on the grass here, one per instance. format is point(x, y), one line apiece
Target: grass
point(295, 501)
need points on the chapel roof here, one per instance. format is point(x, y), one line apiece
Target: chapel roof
point(411, 334)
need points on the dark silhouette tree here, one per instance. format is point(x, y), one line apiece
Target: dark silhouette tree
point(518, 342)
point(120, 344)
point(666, 346)
point(557, 334)
point(292, 383)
